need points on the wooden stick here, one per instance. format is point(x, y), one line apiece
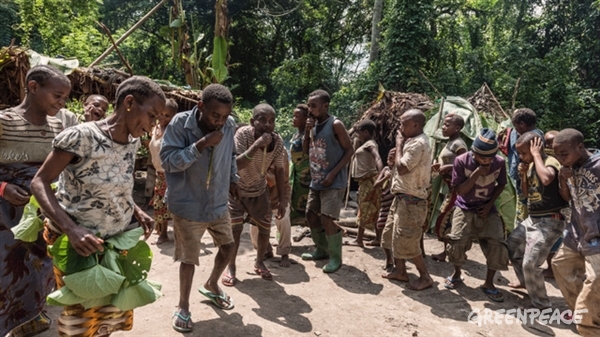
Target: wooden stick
point(495, 100)
point(127, 33)
point(431, 84)
point(210, 164)
point(112, 40)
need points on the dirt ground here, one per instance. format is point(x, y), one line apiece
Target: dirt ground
point(354, 301)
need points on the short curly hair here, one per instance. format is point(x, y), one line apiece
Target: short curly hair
point(528, 137)
point(172, 105)
point(302, 107)
point(367, 125)
point(263, 107)
point(524, 115)
point(217, 91)
point(569, 136)
point(140, 87)
point(42, 73)
point(321, 94)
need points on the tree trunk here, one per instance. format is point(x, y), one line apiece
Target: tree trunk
point(376, 30)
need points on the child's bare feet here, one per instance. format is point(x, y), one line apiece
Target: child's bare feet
point(354, 243)
point(516, 285)
point(394, 274)
point(420, 284)
point(285, 261)
point(161, 239)
point(373, 243)
point(441, 257)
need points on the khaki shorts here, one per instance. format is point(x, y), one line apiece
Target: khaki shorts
point(257, 208)
point(404, 228)
point(326, 202)
point(188, 235)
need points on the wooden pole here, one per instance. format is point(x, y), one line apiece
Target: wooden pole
point(112, 40)
point(127, 33)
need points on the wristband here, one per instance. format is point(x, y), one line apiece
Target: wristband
point(2, 187)
point(247, 156)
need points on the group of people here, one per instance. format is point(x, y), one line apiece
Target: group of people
point(215, 175)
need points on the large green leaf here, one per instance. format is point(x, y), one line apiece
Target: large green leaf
point(219, 59)
point(30, 225)
point(66, 259)
point(110, 261)
point(136, 263)
point(136, 296)
point(63, 297)
point(97, 302)
point(127, 239)
point(95, 282)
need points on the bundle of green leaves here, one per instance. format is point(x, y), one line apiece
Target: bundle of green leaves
point(116, 276)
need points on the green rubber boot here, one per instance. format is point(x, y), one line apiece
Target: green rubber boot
point(320, 239)
point(335, 253)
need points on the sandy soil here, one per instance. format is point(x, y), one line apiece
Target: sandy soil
point(355, 301)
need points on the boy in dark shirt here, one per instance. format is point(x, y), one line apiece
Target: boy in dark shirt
point(580, 253)
point(530, 243)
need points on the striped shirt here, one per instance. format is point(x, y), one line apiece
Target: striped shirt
point(23, 142)
point(252, 182)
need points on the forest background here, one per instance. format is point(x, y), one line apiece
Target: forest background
point(541, 54)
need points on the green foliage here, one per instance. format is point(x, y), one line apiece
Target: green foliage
point(62, 27)
point(119, 279)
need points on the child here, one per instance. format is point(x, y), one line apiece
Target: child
point(257, 148)
point(384, 182)
point(330, 152)
point(283, 225)
point(530, 243)
point(549, 139)
point(478, 176)
point(162, 216)
point(579, 256)
point(365, 169)
point(94, 108)
point(524, 120)
point(453, 123)
point(410, 183)
point(300, 168)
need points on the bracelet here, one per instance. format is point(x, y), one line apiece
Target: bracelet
point(2, 187)
point(247, 156)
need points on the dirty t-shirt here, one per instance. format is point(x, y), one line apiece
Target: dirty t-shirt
point(481, 193)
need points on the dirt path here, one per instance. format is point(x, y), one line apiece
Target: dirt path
point(354, 301)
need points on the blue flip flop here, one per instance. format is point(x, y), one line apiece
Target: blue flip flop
point(183, 318)
point(493, 292)
point(226, 301)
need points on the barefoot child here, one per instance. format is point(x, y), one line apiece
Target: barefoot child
point(384, 182)
point(365, 169)
point(300, 167)
point(530, 243)
point(161, 215)
point(410, 183)
point(257, 148)
point(478, 176)
point(453, 123)
point(579, 256)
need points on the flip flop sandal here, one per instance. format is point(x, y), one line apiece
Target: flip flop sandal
point(493, 294)
point(228, 280)
point(226, 302)
point(177, 315)
point(451, 283)
point(265, 274)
